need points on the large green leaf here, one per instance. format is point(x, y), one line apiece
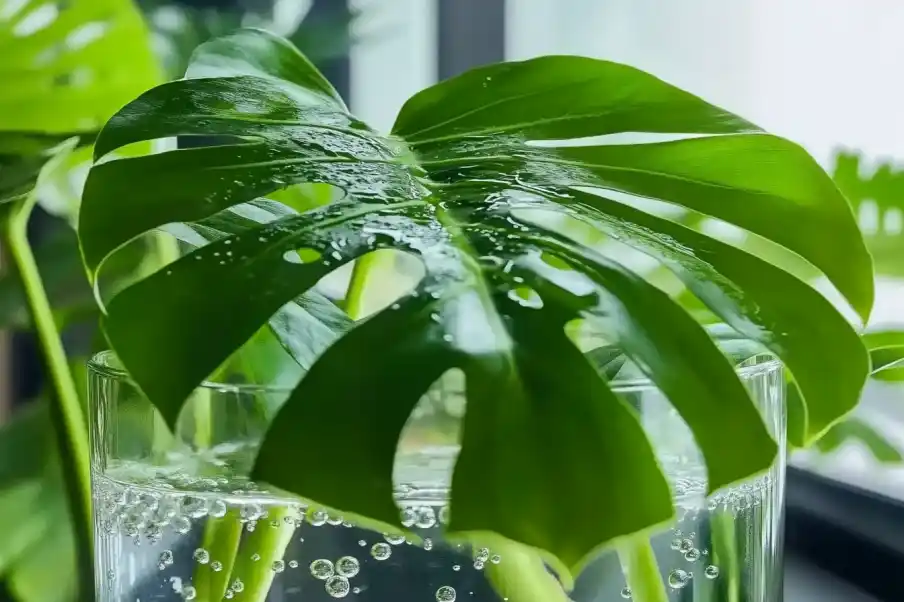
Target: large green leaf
point(464, 185)
point(853, 429)
point(68, 66)
point(886, 350)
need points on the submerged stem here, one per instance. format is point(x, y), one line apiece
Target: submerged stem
point(255, 568)
point(221, 540)
point(67, 416)
point(642, 571)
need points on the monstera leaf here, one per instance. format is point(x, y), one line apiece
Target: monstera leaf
point(471, 182)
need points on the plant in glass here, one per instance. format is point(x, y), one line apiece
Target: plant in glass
point(486, 182)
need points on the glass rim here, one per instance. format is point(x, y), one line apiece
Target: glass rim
point(101, 363)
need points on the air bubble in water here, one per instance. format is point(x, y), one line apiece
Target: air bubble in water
point(322, 569)
point(692, 555)
point(444, 515)
point(194, 507)
point(428, 544)
point(250, 512)
point(711, 572)
point(496, 559)
point(189, 593)
point(362, 543)
point(334, 520)
point(216, 565)
point(348, 566)
point(217, 509)
point(483, 554)
point(426, 517)
point(182, 525)
point(676, 543)
point(479, 564)
point(201, 556)
point(686, 546)
point(337, 587)
point(293, 564)
point(255, 557)
point(381, 551)
point(409, 517)
point(237, 585)
point(278, 566)
point(318, 518)
point(166, 557)
point(445, 594)
point(626, 593)
point(456, 567)
point(394, 538)
point(678, 579)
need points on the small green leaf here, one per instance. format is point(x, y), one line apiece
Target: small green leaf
point(853, 429)
point(886, 350)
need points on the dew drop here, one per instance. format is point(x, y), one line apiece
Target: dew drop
point(678, 579)
point(381, 551)
point(278, 566)
point(322, 569)
point(337, 587)
point(445, 594)
point(626, 593)
point(201, 556)
point(711, 572)
point(348, 566)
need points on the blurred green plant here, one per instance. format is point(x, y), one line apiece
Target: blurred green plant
point(66, 68)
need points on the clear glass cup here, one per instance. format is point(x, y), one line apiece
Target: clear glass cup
point(176, 517)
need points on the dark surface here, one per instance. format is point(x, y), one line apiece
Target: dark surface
point(854, 534)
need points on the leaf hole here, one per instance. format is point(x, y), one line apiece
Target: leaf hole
point(868, 217)
point(84, 35)
point(36, 20)
point(430, 440)
point(892, 222)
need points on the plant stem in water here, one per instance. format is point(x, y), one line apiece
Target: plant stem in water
point(725, 554)
point(642, 571)
point(221, 541)
point(69, 425)
point(261, 551)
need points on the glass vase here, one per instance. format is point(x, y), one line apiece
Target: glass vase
point(176, 517)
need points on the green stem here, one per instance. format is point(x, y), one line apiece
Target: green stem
point(66, 412)
point(642, 571)
point(221, 540)
point(354, 299)
point(269, 541)
point(725, 554)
